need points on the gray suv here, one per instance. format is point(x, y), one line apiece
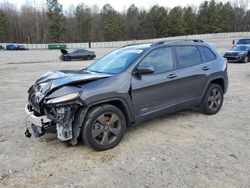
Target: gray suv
point(130, 85)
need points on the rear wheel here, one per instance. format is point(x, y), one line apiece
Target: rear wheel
point(104, 127)
point(88, 58)
point(213, 100)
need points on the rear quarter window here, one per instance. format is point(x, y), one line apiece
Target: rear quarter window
point(207, 54)
point(188, 56)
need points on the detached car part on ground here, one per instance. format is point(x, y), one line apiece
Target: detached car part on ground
point(239, 53)
point(82, 54)
point(124, 88)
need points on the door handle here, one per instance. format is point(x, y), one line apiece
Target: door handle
point(171, 76)
point(205, 68)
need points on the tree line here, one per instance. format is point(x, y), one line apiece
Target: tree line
point(50, 23)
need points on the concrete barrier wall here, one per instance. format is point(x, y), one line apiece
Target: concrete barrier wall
point(220, 40)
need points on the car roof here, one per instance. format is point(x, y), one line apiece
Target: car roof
point(144, 46)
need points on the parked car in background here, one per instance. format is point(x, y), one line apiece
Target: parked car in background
point(74, 54)
point(15, 47)
point(239, 53)
point(1, 47)
point(243, 42)
point(124, 88)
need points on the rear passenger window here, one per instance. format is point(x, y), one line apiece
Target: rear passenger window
point(161, 59)
point(207, 54)
point(188, 56)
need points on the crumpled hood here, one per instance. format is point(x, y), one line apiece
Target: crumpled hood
point(56, 79)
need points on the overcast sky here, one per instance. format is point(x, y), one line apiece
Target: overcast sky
point(117, 4)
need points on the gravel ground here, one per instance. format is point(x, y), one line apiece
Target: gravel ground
point(185, 149)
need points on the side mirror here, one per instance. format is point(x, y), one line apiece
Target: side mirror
point(233, 42)
point(144, 69)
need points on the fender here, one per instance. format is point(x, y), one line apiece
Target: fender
point(128, 107)
point(211, 80)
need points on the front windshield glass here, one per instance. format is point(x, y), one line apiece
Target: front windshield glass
point(116, 61)
point(239, 48)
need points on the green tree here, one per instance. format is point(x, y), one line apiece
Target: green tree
point(113, 27)
point(203, 18)
point(157, 18)
point(3, 25)
point(132, 22)
point(190, 21)
point(175, 23)
point(214, 22)
point(83, 16)
point(227, 17)
point(56, 20)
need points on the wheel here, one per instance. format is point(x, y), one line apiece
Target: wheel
point(104, 127)
point(67, 58)
point(245, 59)
point(88, 58)
point(213, 100)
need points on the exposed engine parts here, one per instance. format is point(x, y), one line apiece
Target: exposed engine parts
point(63, 116)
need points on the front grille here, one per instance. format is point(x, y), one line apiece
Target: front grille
point(232, 58)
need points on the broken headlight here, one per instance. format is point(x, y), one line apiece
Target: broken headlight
point(64, 98)
point(43, 87)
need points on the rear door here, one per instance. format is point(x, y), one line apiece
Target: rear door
point(192, 73)
point(159, 90)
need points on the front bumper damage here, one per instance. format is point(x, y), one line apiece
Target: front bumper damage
point(37, 125)
point(64, 120)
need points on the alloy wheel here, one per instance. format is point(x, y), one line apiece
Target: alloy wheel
point(214, 99)
point(106, 128)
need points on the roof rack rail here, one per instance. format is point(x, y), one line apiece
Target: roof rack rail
point(176, 40)
point(133, 44)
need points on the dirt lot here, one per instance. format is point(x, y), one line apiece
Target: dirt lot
point(186, 149)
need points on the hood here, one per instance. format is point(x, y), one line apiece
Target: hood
point(55, 79)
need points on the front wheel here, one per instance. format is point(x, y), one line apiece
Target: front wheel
point(213, 100)
point(245, 59)
point(104, 127)
point(67, 58)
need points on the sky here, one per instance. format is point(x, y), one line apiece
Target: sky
point(119, 5)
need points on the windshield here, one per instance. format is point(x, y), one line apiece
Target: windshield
point(116, 61)
point(244, 41)
point(239, 48)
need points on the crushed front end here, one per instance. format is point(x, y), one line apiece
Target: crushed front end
point(51, 113)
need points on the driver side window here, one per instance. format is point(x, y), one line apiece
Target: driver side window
point(161, 59)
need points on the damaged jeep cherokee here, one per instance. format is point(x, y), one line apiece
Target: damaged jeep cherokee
point(127, 86)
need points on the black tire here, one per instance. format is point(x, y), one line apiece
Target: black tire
point(245, 59)
point(104, 127)
point(67, 58)
point(213, 100)
point(88, 57)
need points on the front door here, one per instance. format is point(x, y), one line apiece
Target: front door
point(158, 91)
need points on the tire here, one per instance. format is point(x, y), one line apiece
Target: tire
point(213, 100)
point(88, 58)
point(67, 59)
point(99, 131)
point(245, 59)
